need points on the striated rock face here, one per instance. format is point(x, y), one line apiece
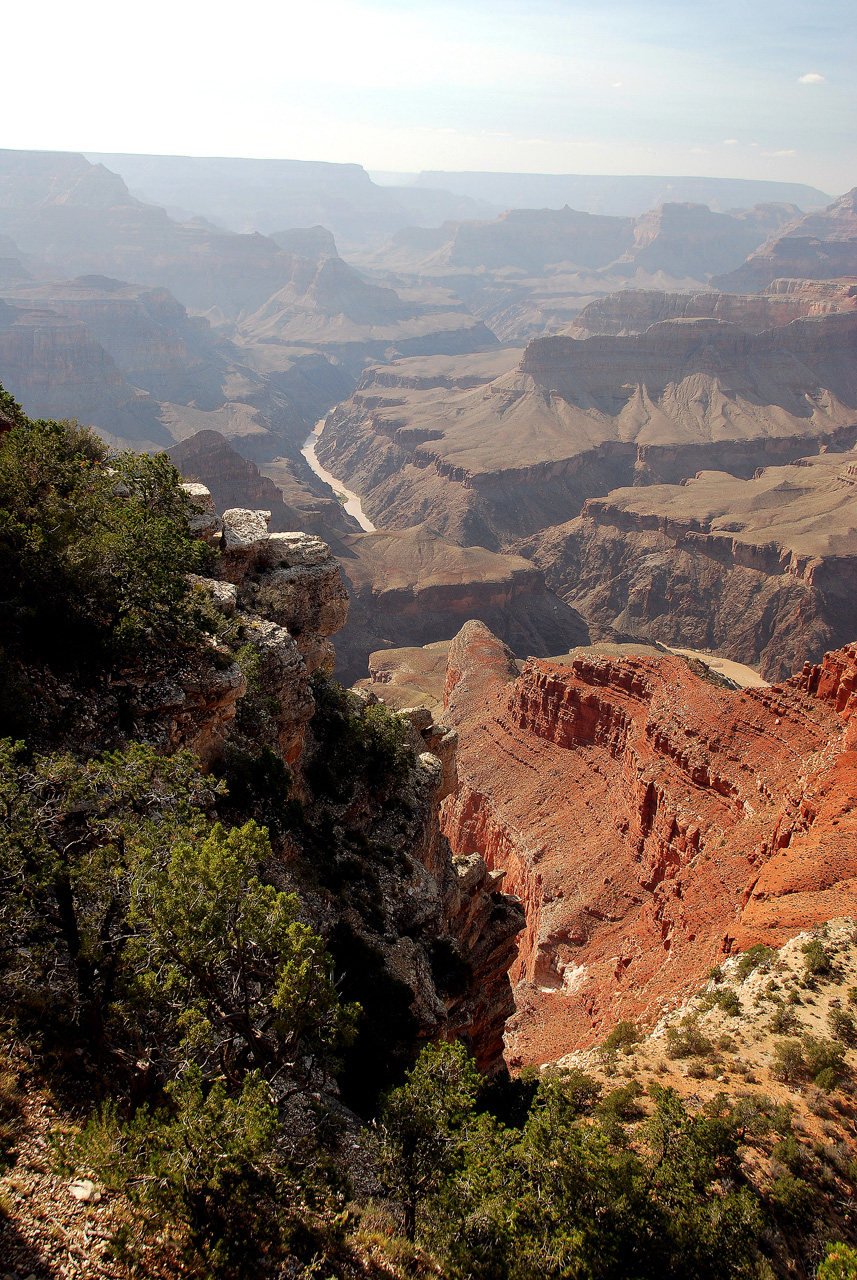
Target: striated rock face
point(328, 307)
point(650, 821)
point(819, 246)
point(762, 571)
point(411, 586)
point(490, 463)
point(78, 218)
point(130, 361)
point(632, 311)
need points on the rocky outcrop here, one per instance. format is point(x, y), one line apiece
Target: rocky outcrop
point(77, 218)
point(494, 462)
point(130, 361)
point(649, 820)
point(761, 571)
point(327, 306)
point(530, 271)
point(57, 369)
point(424, 912)
point(296, 499)
point(690, 241)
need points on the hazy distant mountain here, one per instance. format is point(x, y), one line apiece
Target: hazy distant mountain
point(272, 195)
point(820, 246)
point(622, 196)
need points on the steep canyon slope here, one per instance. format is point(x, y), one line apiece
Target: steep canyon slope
point(493, 462)
point(650, 821)
point(761, 571)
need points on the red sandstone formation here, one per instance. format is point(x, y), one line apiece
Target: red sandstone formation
point(649, 820)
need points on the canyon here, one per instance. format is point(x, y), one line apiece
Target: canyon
point(575, 418)
point(761, 571)
point(651, 821)
point(582, 434)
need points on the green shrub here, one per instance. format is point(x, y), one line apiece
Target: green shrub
point(94, 551)
point(788, 1064)
point(784, 1020)
point(355, 743)
point(822, 1055)
point(729, 1003)
point(203, 1176)
point(789, 1153)
point(842, 1026)
point(817, 961)
point(687, 1040)
point(839, 1263)
point(826, 1079)
point(622, 1103)
point(622, 1038)
point(757, 957)
point(792, 1199)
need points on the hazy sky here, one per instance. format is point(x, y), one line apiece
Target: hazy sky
point(742, 88)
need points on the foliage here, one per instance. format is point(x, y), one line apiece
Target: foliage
point(757, 956)
point(822, 1055)
point(355, 744)
point(792, 1199)
point(421, 1130)
point(258, 783)
point(816, 962)
point(381, 1051)
point(730, 1004)
point(124, 908)
point(789, 1153)
point(788, 1064)
point(622, 1038)
point(94, 550)
point(842, 1026)
point(203, 1175)
point(784, 1020)
point(564, 1195)
point(244, 982)
point(68, 837)
point(839, 1263)
point(687, 1040)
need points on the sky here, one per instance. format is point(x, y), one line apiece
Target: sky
point(726, 88)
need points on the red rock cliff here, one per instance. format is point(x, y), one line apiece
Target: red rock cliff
point(649, 821)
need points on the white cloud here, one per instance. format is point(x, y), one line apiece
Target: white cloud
point(617, 84)
point(730, 142)
point(792, 152)
point(811, 77)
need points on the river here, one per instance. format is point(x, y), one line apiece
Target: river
point(352, 503)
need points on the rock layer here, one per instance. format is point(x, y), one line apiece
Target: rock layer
point(490, 463)
point(649, 820)
point(761, 571)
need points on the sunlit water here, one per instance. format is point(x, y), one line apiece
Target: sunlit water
point(352, 503)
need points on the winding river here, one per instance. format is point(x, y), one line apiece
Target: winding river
point(352, 503)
